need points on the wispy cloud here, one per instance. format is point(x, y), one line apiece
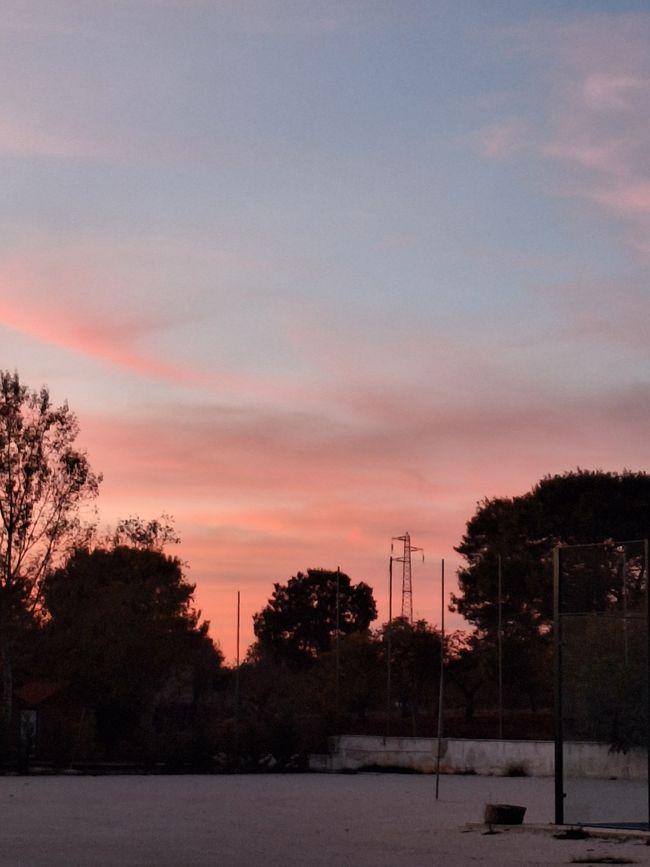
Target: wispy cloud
point(293, 388)
point(283, 458)
point(110, 342)
point(595, 112)
point(260, 492)
point(608, 91)
point(128, 304)
point(23, 139)
point(503, 139)
point(612, 314)
point(60, 307)
point(265, 15)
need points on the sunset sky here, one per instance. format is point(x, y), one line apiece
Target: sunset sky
point(312, 273)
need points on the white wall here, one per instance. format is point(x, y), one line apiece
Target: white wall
point(461, 756)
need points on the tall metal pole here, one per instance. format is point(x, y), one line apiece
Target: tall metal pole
point(624, 590)
point(647, 658)
point(559, 731)
point(389, 630)
point(238, 623)
point(441, 692)
point(236, 713)
point(500, 651)
point(337, 646)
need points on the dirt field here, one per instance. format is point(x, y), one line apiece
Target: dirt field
point(365, 820)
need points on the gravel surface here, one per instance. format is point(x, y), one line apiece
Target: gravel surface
point(365, 820)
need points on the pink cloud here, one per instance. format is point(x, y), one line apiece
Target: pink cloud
point(80, 301)
point(258, 469)
point(608, 158)
point(629, 200)
point(605, 91)
point(260, 493)
point(502, 140)
point(110, 341)
point(19, 139)
point(320, 17)
point(610, 314)
point(256, 16)
point(37, 138)
point(595, 111)
point(73, 139)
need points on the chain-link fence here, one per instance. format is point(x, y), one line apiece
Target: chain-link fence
point(601, 633)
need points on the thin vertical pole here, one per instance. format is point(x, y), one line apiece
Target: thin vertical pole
point(441, 693)
point(389, 631)
point(238, 623)
point(647, 662)
point(559, 733)
point(624, 590)
point(236, 714)
point(337, 646)
point(500, 650)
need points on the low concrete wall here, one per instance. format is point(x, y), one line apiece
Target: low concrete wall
point(461, 756)
point(588, 759)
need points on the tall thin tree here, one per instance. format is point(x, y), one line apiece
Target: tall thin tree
point(44, 481)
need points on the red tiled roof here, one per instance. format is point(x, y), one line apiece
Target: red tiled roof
point(37, 691)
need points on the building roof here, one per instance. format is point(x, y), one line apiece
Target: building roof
point(38, 691)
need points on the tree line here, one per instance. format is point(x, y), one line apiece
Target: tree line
point(110, 621)
point(597, 519)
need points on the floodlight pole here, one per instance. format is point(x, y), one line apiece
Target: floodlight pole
point(626, 651)
point(500, 648)
point(236, 713)
point(442, 675)
point(338, 647)
point(559, 733)
point(647, 631)
point(389, 631)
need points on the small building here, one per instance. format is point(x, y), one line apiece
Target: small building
point(53, 725)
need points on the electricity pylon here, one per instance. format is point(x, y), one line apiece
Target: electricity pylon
point(407, 584)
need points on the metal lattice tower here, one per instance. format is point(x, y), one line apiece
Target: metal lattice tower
point(407, 583)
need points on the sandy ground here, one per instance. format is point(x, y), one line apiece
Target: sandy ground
point(365, 820)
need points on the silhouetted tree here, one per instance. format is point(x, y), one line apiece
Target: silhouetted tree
point(468, 669)
point(575, 508)
point(154, 535)
point(361, 673)
point(526, 669)
point(299, 622)
point(44, 481)
point(121, 623)
point(273, 700)
point(415, 670)
point(361, 676)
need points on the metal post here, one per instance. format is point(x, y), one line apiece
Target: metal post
point(236, 710)
point(647, 660)
point(559, 733)
point(337, 648)
point(442, 677)
point(389, 630)
point(500, 649)
point(626, 651)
